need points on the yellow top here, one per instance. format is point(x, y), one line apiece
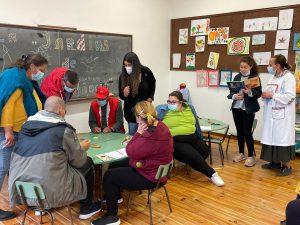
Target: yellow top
point(14, 113)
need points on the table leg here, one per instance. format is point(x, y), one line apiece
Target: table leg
point(209, 146)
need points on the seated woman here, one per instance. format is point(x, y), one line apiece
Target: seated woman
point(189, 146)
point(150, 147)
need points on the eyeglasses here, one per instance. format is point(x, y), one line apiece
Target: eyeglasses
point(172, 102)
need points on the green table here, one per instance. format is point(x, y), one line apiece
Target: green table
point(209, 125)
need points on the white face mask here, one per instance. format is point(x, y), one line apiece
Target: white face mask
point(129, 69)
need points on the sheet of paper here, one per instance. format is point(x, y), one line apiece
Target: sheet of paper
point(285, 19)
point(285, 53)
point(176, 60)
point(118, 154)
point(282, 39)
point(262, 58)
point(205, 128)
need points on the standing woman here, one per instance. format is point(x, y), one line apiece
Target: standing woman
point(136, 83)
point(20, 98)
point(278, 133)
point(244, 107)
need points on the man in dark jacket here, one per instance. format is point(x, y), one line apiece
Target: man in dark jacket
point(49, 153)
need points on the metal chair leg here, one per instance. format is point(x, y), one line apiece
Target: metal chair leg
point(167, 195)
point(228, 143)
point(24, 218)
point(41, 217)
point(50, 214)
point(70, 214)
point(128, 204)
point(148, 197)
point(150, 208)
point(221, 156)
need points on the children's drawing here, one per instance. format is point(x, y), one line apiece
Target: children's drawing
point(285, 19)
point(225, 76)
point(213, 60)
point(238, 46)
point(213, 78)
point(176, 60)
point(218, 36)
point(285, 53)
point(199, 43)
point(201, 78)
point(183, 36)
point(258, 39)
point(200, 27)
point(262, 58)
point(190, 60)
point(296, 45)
point(260, 24)
point(282, 39)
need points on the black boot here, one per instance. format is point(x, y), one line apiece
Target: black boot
point(6, 215)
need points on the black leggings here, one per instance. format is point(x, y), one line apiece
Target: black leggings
point(292, 212)
point(243, 123)
point(121, 175)
point(88, 171)
point(191, 150)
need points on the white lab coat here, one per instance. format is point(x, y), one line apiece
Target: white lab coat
point(279, 112)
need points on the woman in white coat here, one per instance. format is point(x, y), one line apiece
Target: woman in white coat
point(278, 133)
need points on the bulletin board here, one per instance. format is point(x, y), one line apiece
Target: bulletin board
point(235, 22)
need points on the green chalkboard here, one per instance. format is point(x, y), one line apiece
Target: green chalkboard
point(96, 57)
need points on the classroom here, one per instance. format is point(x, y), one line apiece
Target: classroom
point(162, 112)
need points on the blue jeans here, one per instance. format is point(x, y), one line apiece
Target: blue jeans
point(5, 154)
point(132, 128)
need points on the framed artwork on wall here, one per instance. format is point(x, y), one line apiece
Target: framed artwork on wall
point(213, 78)
point(225, 76)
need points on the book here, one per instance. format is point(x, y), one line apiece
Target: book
point(235, 86)
point(252, 82)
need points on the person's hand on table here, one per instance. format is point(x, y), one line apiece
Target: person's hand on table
point(106, 130)
point(96, 130)
point(85, 144)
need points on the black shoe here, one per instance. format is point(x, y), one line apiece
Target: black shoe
point(88, 213)
point(271, 166)
point(107, 219)
point(6, 215)
point(284, 171)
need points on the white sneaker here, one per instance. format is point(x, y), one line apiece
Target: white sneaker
point(239, 157)
point(250, 161)
point(39, 213)
point(217, 180)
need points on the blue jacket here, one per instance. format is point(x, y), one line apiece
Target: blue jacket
point(163, 109)
point(12, 79)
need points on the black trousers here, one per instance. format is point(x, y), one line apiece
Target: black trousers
point(243, 123)
point(192, 151)
point(121, 176)
point(88, 171)
point(292, 212)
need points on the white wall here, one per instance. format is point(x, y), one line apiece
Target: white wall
point(213, 102)
point(147, 21)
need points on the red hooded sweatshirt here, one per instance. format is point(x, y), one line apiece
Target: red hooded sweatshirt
point(52, 84)
point(147, 151)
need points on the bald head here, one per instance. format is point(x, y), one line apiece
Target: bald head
point(55, 104)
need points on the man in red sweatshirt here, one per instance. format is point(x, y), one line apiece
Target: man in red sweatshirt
point(60, 82)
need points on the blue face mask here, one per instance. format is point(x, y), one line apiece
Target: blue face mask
point(172, 107)
point(38, 76)
point(69, 90)
point(271, 70)
point(102, 103)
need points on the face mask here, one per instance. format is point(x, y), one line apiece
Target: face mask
point(102, 103)
point(69, 90)
point(129, 69)
point(172, 107)
point(246, 74)
point(38, 76)
point(271, 70)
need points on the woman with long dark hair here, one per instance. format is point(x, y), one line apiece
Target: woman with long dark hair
point(136, 83)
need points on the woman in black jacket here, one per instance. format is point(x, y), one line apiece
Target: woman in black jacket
point(136, 83)
point(244, 107)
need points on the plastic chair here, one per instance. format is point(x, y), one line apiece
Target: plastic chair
point(163, 171)
point(219, 141)
point(235, 134)
point(34, 192)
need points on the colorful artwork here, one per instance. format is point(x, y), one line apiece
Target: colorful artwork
point(285, 53)
point(183, 36)
point(176, 60)
point(296, 45)
point(282, 39)
point(297, 57)
point(199, 27)
point(285, 19)
point(297, 72)
point(260, 24)
point(199, 43)
point(225, 76)
point(262, 58)
point(213, 60)
point(201, 78)
point(238, 46)
point(218, 36)
point(258, 39)
point(213, 78)
point(190, 61)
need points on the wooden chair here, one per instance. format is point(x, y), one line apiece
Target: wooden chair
point(219, 141)
point(235, 134)
point(163, 171)
point(34, 192)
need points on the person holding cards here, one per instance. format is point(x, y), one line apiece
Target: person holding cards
point(278, 132)
point(244, 106)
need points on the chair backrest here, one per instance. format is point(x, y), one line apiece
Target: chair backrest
point(30, 190)
point(163, 170)
point(254, 125)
